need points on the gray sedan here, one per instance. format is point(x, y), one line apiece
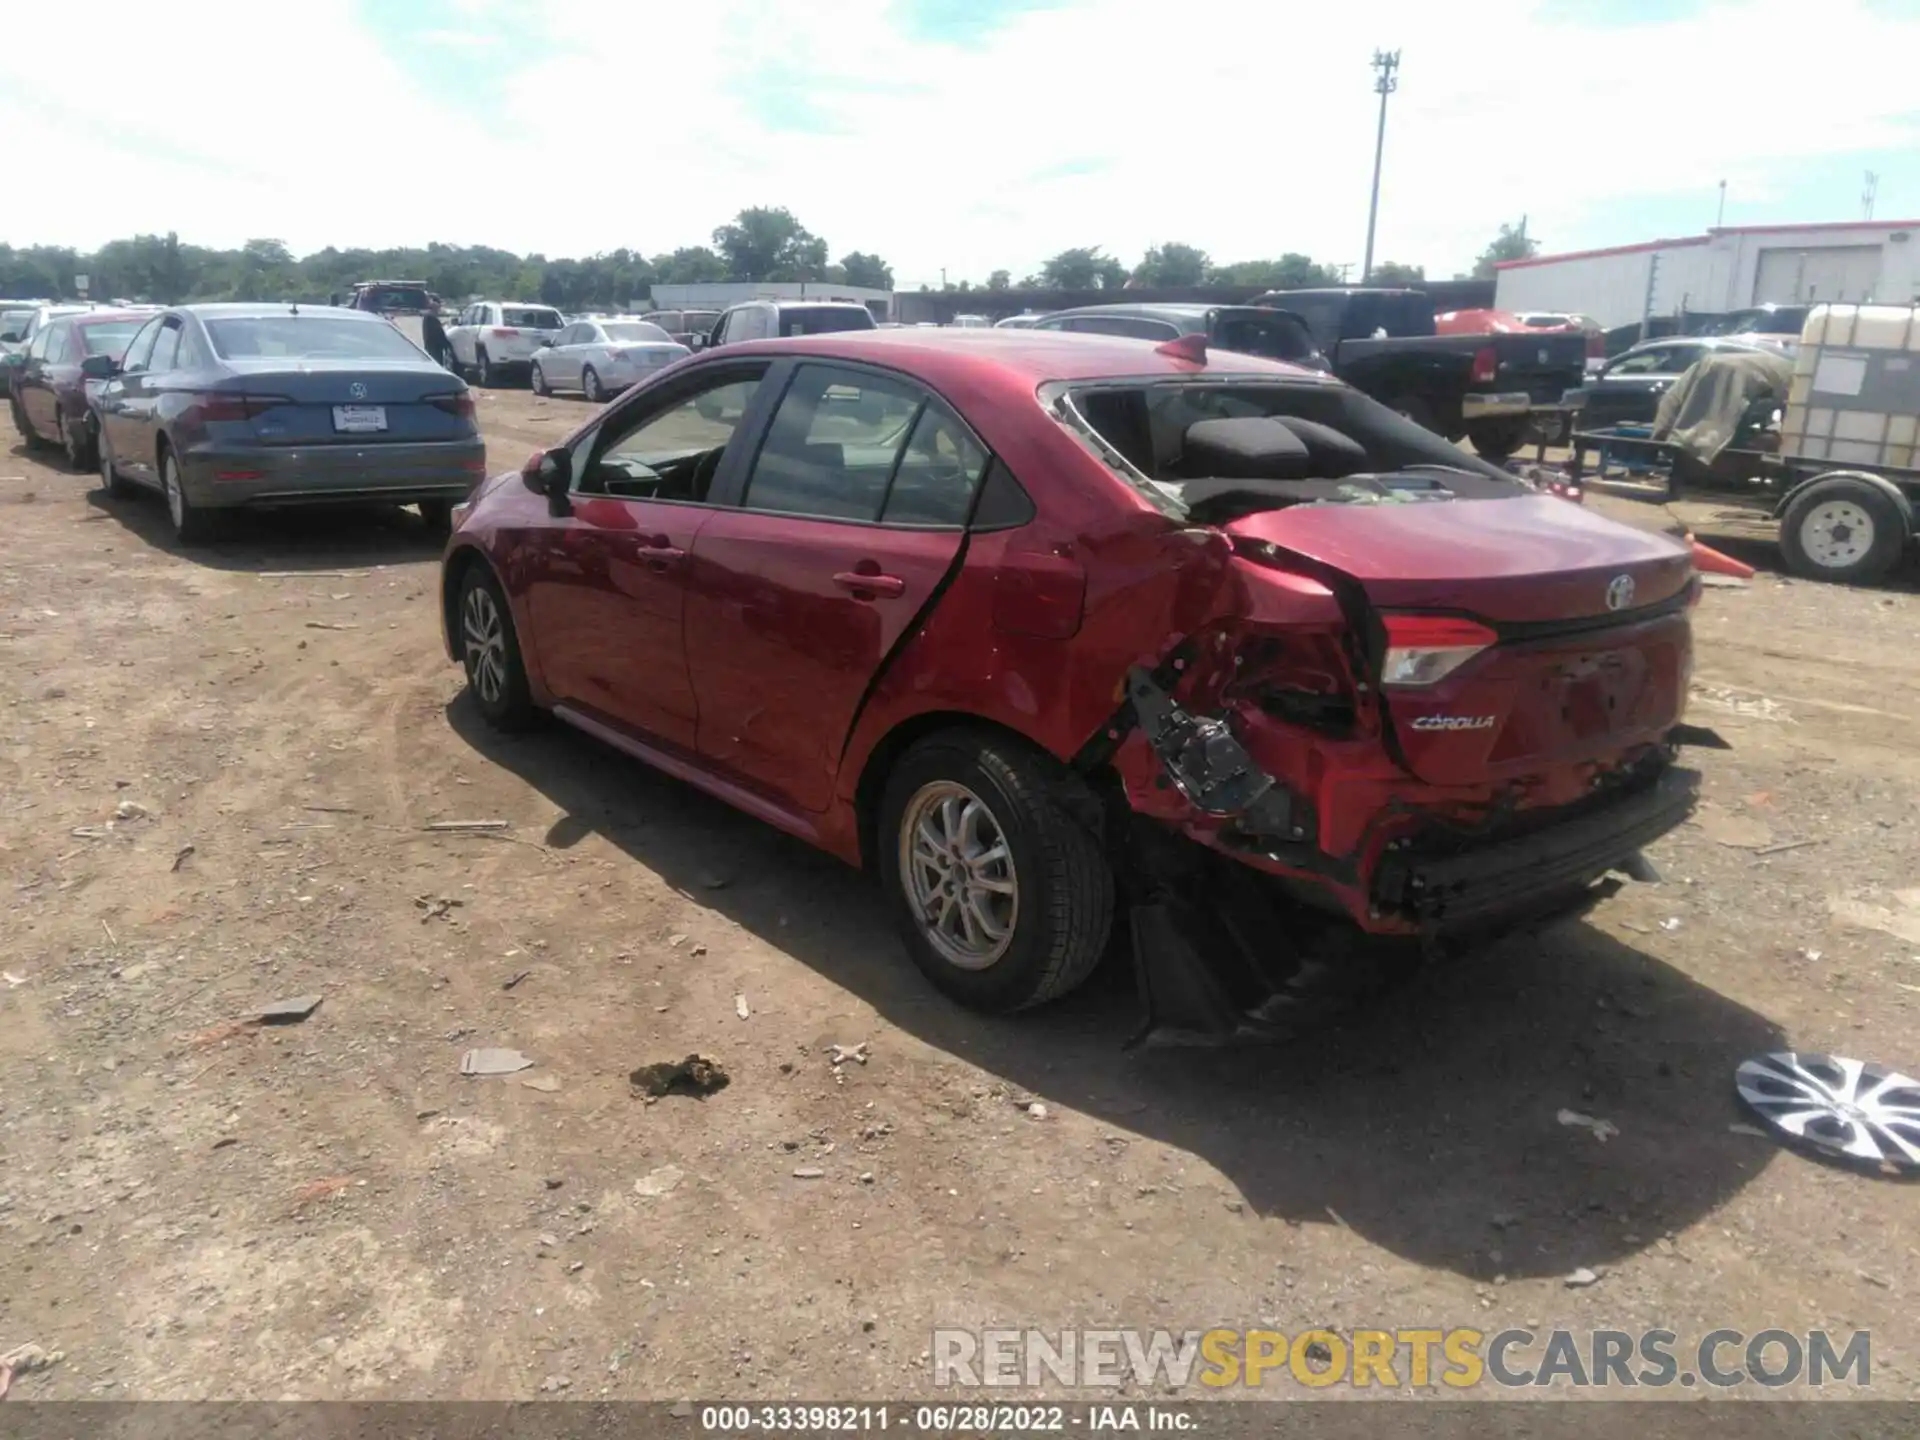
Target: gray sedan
point(224, 406)
point(600, 358)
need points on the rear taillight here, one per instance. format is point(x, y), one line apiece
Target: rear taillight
point(1486, 365)
point(217, 405)
point(503, 331)
point(1596, 346)
point(460, 404)
point(1424, 649)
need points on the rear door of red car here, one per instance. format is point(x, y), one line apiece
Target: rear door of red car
point(850, 519)
point(607, 584)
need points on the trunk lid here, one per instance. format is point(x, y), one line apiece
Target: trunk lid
point(337, 402)
point(1587, 642)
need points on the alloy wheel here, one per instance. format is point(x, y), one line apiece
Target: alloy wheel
point(486, 644)
point(537, 379)
point(590, 386)
point(176, 497)
point(959, 874)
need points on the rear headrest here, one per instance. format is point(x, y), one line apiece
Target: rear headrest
point(1249, 448)
point(1334, 455)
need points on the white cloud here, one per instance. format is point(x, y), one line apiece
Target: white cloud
point(1243, 126)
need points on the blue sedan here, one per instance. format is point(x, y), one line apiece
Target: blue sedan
point(220, 407)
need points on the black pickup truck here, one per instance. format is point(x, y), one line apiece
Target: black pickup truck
point(1496, 390)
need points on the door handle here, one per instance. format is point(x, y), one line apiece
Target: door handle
point(862, 584)
point(662, 557)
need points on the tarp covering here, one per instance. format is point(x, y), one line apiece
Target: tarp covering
point(1703, 411)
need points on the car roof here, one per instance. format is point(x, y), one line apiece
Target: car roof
point(263, 310)
point(95, 317)
point(802, 304)
point(956, 360)
point(1170, 309)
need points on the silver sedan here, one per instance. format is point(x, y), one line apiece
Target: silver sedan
point(600, 358)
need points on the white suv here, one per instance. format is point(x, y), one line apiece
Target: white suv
point(494, 339)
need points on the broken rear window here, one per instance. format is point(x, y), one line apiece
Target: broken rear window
point(1202, 449)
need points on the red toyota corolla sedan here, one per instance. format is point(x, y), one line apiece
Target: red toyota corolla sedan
point(1038, 626)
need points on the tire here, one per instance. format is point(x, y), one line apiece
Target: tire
point(1059, 912)
point(1821, 533)
point(117, 486)
point(537, 380)
point(191, 525)
point(591, 387)
point(483, 372)
point(1497, 440)
point(79, 442)
point(438, 515)
point(484, 626)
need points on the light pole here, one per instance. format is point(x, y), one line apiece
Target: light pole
point(1387, 80)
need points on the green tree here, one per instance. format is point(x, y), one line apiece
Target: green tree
point(764, 243)
point(1512, 243)
point(1087, 267)
point(1392, 272)
point(690, 265)
point(1291, 271)
point(869, 271)
point(1000, 280)
point(1173, 264)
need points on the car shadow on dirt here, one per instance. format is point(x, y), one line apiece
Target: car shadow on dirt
point(321, 538)
point(1429, 1125)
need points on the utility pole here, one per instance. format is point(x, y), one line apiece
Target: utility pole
point(1868, 195)
point(1646, 307)
point(1386, 80)
point(1720, 215)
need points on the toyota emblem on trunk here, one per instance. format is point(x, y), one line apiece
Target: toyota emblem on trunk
point(356, 391)
point(1620, 592)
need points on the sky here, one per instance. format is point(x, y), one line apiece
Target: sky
point(954, 137)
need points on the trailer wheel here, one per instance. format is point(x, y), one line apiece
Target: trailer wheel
point(1497, 440)
point(1843, 529)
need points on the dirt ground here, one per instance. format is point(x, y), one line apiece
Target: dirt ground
point(216, 771)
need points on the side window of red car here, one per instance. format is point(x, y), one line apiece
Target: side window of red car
point(938, 472)
point(833, 444)
point(672, 453)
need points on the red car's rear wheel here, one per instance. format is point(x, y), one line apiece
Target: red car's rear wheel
point(1004, 900)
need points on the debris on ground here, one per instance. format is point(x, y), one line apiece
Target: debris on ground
point(289, 1012)
point(656, 1183)
point(1899, 917)
point(1036, 1111)
point(324, 1189)
point(514, 980)
point(1582, 1278)
point(435, 907)
point(455, 827)
point(740, 1006)
point(1740, 1127)
point(545, 1084)
point(841, 1054)
point(696, 1076)
point(181, 856)
point(809, 1172)
point(24, 1360)
point(1736, 832)
point(1845, 1108)
point(14, 981)
point(1602, 1130)
point(491, 1060)
point(1670, 924)
point(676, 941)
point(331, 625)
point(1786, 845)
point(1714, 581)
point(131, 810)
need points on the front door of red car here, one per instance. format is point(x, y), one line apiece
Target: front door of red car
point(852, 515)
point(607, 585)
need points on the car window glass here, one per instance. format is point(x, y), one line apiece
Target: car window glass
point(37, 349)
point(831, 448)
point(1126, 325)
point(60, 344)
point(1653, 361)
point(193, 352)
point(109, 338)
point(672, 454)
point(935, 479)
point(141, 348)
point(165, 347)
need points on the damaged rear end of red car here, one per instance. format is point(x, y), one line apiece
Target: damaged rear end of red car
point(1427, 701)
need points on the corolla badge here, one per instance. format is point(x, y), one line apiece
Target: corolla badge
point(1620, 592)
point(1455, 722)
point(356, 391)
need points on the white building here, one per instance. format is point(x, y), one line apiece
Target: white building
point(720, 294)
point(1725, 269)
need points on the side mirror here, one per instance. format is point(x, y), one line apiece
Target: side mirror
point(549, 473)
point(99, 367)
